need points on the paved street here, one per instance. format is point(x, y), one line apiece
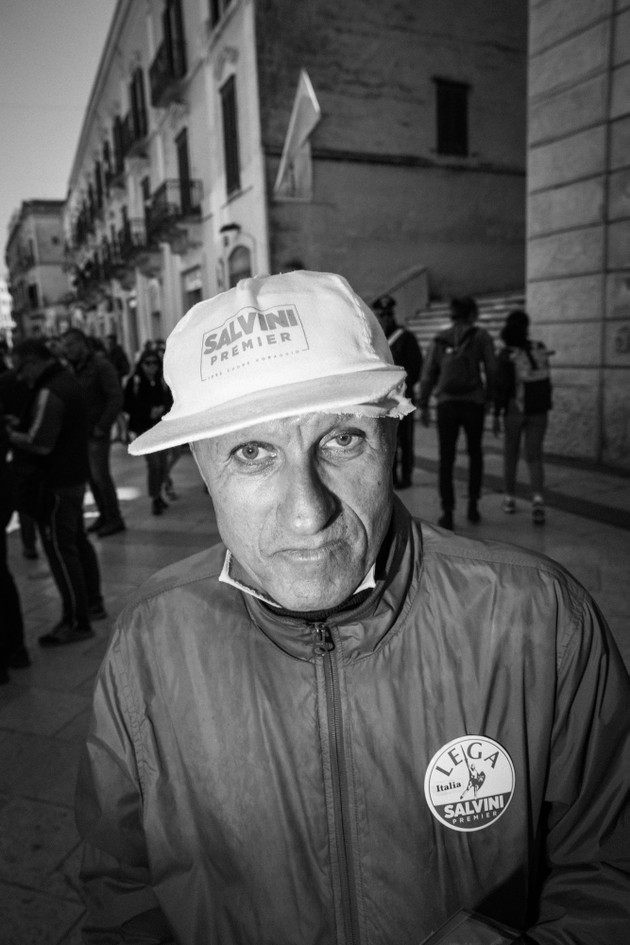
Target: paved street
point(43, 710)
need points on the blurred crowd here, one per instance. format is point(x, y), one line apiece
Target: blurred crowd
point(63, 402)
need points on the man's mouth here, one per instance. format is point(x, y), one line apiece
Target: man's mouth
point(310, 554)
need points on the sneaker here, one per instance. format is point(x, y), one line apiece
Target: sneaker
point(97, 612)
point(96, 524)
point(64, 633)
point(508, 505)
point(19, 659)
point(111, 528)
point(538, 512)
point(473, 512)
point(157, 507)
point(446, 520)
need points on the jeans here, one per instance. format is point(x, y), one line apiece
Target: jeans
point(532, 428)
point(156, 472)
point(101, 482)
point(451, 416)
point(70, 553)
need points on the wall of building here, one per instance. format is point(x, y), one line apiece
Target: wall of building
point(35, 258)
point(578, 267)
point(150, 301)
point(384, 199)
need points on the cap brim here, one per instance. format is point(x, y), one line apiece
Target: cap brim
point(326, 394)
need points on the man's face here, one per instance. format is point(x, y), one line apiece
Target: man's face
point(303, 503)
point(74, 349)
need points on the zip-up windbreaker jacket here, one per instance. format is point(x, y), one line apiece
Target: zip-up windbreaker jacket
point(459, 740)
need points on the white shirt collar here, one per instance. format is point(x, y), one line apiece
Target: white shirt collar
point(368, 581)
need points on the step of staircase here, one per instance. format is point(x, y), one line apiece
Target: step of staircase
point(493, 309)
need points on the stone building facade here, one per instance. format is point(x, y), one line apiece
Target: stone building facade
point(34, 257)
point(578, 255)
point(413, 168)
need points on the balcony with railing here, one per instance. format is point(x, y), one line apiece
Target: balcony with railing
point(166, 73)
point(134, 134)
point(174, 203)
point(89, 280)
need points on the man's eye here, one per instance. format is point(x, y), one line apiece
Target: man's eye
point(253, 453)
point(345, 439)
point(344, 442)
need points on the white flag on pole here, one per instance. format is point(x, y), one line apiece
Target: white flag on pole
point(294, 179)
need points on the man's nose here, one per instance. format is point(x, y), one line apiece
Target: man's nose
point(306, 505)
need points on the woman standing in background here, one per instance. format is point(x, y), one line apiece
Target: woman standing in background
point(523, 401)
point(147, 398)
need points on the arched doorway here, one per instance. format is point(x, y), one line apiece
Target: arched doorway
point(239, 264)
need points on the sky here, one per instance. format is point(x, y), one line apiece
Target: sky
point(49, 54)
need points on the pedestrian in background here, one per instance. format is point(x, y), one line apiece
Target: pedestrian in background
point(407, 354)
point(522, 403)
point(54, 436)
point(146, 400)
point(13, 653)
point(461, 367)
point(16, 396)
point(120, 361)
point(104, 399)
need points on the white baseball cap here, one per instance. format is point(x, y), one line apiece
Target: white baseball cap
point(275, 346)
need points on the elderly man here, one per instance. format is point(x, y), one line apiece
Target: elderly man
point(340, 725)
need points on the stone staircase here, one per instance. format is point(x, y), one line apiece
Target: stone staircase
point(493, 309)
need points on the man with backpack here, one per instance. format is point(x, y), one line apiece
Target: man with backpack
point(522, 401)
point(461, 367)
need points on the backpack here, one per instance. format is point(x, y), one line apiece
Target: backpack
point(459, 365)
point(532, 378)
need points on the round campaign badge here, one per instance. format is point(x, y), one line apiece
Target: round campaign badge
point(469, 783)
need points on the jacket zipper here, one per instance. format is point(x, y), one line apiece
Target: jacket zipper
point(324, 648)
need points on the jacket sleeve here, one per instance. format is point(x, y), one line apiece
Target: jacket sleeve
point(586, 894)
point(121, 905)
point(112, 390)
point(430, 374)
point(489, 361)
point(411, 357)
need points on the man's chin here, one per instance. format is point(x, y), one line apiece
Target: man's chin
point(319, 596)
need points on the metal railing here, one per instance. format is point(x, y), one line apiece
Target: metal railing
point(175, 201)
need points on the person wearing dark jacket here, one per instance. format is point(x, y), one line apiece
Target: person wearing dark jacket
point(146, 400)
point(341, 726)
point(407, 354)
point(461, 368)
point(54, 437)
point(13, 652)
point(104, 397)
point(16, 397)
